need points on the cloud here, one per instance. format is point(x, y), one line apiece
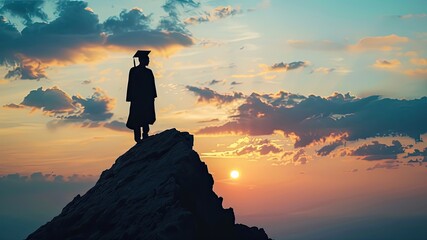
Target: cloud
point(296, 157)
point(131, 29)
point(209, 121)
point(417, 73)
point(64, 40)
point(327, 149)
point(233, 83)
point(324, 70)
point(379, 151)
point(172, 22)
point(96, 108)
point(418, 153)
point(76, 35)
point(380, 63)
point(207, 95)
point(284, 67)
point(389, 164)
point(13, 106)
point(214, 82)
point(26, 10)
point(52, 100)
point(419, 61)
point(117, 126)
point(381, 43)
point(219, 12)
point(376, 43)
point(252, 147)
point(315, 119)
point(324, 45)
point(90, 112)
point(128, 21)
point(409, 16)
point(266, 70)
point(28, 69)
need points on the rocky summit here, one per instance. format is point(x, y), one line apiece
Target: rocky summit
point(158, 190)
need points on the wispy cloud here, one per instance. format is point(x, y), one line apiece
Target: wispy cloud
point(371, 43)
point(219, 12)
point(381, 63)
point(380, 43)
point(207, 95)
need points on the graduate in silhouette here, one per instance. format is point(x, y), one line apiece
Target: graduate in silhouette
point(141, 93)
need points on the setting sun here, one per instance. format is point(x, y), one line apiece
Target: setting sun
point(234, 174)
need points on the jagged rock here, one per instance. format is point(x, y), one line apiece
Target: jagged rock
point(159, 189)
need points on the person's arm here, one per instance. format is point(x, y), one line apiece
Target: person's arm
point(154, 85)
point(129, 96)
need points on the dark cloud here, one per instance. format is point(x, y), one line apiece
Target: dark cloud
point(389, 164)
point(128, 21)
point(235, 83)
point(379, 151)
point(64, 39)
point(295, 157)
point(132, 29)
point(117, 126)
point(13, 106)
point(216, 13)
point(207, 95)
point(326, 150)
point(95, 108)
point(154, 39)
point(89, 112)
point(26, 10)
point(52, 100)
point(8, 37)
point(27, 69)
point(314, 119)
point(172, 22)
point(214, 81)
point(418, 153)
point(288, 66)
point(76, 35)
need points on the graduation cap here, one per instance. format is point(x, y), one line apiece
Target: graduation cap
point(140, 54)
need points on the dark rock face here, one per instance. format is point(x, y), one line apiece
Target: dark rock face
point(159, 189)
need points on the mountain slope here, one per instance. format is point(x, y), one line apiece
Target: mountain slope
point(158, 189)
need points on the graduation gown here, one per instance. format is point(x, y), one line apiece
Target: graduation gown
point(141, 92)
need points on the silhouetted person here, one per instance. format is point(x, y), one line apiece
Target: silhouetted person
point(141, 92)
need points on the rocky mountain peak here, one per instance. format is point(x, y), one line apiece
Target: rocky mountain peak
point(159, 189)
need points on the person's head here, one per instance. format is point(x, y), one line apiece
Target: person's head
point(144, 60)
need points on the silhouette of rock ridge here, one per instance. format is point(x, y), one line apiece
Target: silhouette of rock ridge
point(159, 189)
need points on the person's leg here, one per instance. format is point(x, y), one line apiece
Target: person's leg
point(145, 129)
point(137, 134)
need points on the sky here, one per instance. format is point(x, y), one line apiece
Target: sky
point(321, 106)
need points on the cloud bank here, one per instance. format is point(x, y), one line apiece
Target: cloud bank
point(314, 119)
point(93, 111)
point(77, 35)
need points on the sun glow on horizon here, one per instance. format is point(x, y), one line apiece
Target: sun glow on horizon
point(234, 174)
